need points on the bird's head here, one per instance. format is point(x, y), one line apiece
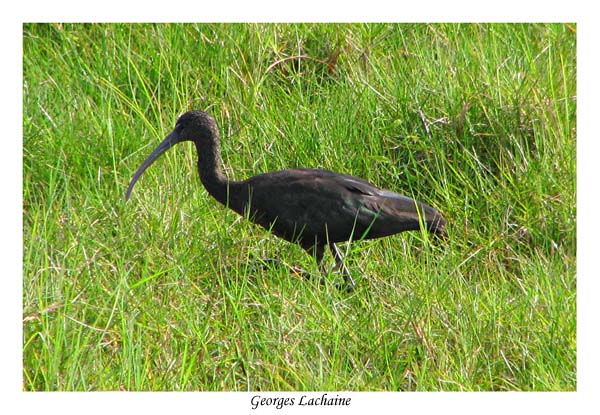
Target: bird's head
point(196, 126)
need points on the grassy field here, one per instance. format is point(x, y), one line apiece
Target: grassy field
point(167, 291)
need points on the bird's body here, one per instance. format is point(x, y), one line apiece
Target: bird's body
point(318, 207)
point(315, 208)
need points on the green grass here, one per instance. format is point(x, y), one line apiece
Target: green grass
point(164, 292)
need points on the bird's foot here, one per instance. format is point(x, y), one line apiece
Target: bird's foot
point(345, 287)
point(294, 270)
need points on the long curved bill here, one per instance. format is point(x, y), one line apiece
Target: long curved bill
point(166, 144)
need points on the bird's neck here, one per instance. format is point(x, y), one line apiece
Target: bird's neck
point(212, 177)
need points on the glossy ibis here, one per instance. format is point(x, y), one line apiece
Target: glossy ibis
point(314, 208)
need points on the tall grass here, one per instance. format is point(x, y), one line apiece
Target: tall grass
point(167, 291)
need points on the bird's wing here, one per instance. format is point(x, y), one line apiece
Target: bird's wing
point(329, 205)
point(383, 212)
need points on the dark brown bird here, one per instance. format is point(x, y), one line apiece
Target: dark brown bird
point(311, 207)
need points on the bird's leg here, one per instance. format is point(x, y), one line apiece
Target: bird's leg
point(339, 263)
point(317, 250)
